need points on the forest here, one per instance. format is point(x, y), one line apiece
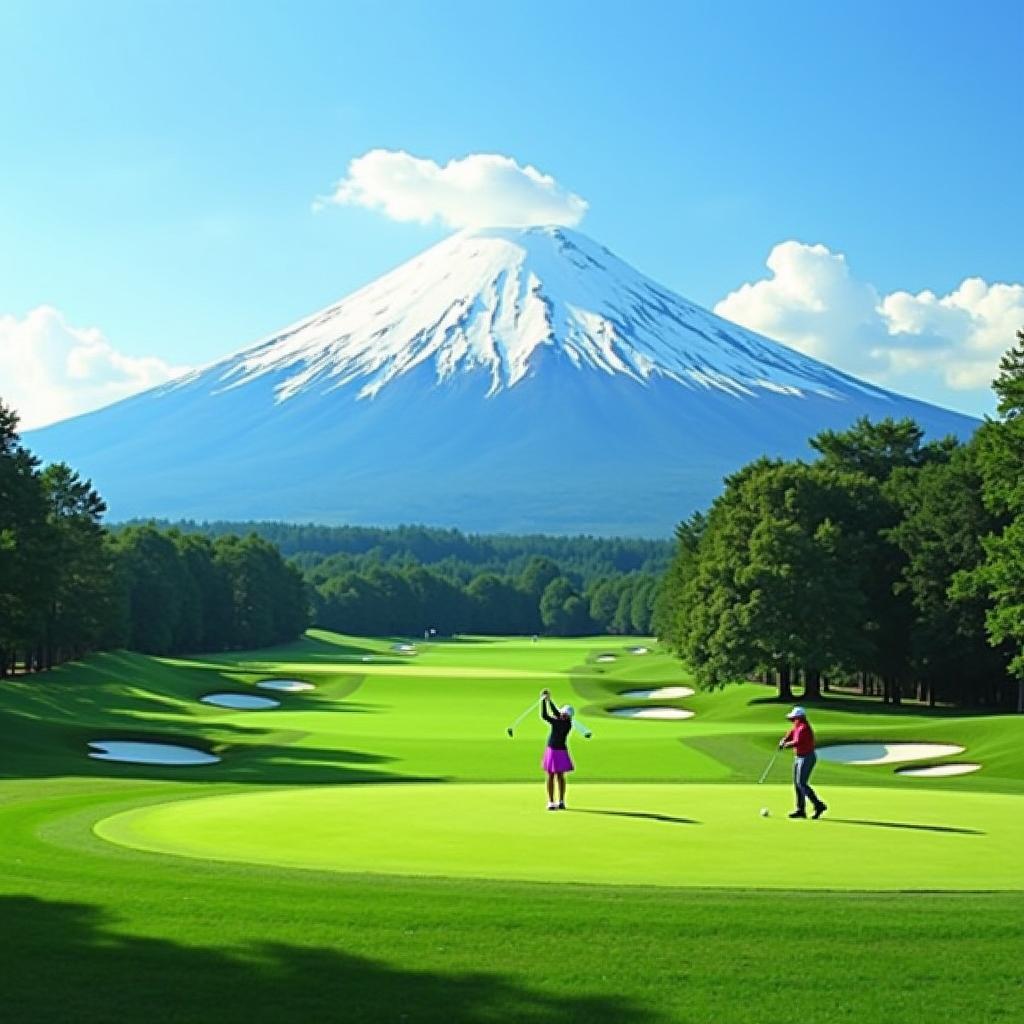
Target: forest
point(69, 586)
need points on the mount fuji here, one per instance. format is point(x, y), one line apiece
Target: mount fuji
point(520, 380)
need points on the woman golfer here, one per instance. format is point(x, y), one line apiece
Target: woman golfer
point(556, 761)
point(801, 739)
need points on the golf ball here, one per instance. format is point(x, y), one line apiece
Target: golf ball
point(764, 812)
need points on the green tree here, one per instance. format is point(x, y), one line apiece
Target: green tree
point(25, 536)
point(563, 611)
point(1000, 447)
point(776, 583)
point(155, 584)
point(81, 580)
point(941, 528)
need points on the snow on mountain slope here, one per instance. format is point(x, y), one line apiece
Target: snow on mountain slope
point(504, 380)
point(490, 299)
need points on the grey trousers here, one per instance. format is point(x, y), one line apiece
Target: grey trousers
point(802, 768)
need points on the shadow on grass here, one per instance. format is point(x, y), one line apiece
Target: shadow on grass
point(97, 976)
point(907, 825)
point(641, 815)
point(872, 706)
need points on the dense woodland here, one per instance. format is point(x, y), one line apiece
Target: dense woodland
point(461, 556)
point(69, 586)
point(413, 578)
point(886, 563)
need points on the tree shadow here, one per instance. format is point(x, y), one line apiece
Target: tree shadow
point(96, 975)
point(871, 706)
point(642, 815)
point(907, 825)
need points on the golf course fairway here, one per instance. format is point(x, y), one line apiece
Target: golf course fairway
point(376, 847)
point(686, 835)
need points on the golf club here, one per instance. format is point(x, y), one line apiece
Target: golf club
point(577, 724)
point(511, 729)
point(764, 774)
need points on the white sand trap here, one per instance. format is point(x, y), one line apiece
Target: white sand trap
point(665, 713)
point(240, 701)
point(149, 753)
point(935, 771)
point(285, 685)
point(660, 693)
point(404, 648)
point(639, 650)
point(885, 753)
point(606, 657)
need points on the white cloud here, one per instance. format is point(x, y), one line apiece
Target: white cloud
point(942, 345)
point(50, 370)
point(480, 190)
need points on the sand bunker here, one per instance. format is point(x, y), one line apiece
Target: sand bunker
point(285, 685)
point(639, 650)
point(935, 771)
point(240, 701)
point(660, 693)
point(886, 753)
point(606, 657)
point(665, 713)
point(149, 753)
point(404, 648)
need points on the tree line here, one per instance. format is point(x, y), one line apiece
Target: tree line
point(887, 563)
point(68, 585)
point(448, 551)
point(373, 598)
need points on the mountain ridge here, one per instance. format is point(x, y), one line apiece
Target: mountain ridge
point(503, 380)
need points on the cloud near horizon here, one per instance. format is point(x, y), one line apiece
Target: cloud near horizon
point(814, 303)
point(479, 190)
point(50, 370)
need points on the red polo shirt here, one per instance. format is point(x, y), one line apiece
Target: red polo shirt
point(802, 737)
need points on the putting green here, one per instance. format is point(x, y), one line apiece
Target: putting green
point(686, 835)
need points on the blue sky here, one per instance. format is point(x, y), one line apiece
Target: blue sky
point(159, 164)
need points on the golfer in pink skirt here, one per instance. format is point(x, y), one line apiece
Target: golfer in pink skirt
point(556, 761)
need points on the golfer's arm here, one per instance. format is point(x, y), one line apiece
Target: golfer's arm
point(549, 718)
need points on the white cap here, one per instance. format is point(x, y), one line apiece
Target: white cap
point(568, 710)
point(797, 712)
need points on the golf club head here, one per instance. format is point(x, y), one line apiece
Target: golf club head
point(509, 731)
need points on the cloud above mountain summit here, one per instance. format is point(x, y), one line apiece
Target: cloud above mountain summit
point(479, 190)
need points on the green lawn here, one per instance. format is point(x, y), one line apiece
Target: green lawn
point(661, 895)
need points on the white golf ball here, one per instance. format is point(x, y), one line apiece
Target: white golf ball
point(764, 812)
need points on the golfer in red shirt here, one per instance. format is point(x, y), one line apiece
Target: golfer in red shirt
point(801, 739)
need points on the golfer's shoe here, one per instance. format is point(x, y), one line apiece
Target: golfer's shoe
point(561, 805)
point(798, 814)
point(552, 807)
point(819, 811)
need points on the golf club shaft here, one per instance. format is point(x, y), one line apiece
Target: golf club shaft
point(532, 707)
point(768, 768)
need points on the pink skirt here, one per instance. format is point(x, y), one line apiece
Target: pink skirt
point(556, 760)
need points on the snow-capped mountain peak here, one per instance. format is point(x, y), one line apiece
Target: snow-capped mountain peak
point(489, 300)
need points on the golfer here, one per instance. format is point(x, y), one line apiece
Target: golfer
point(556, 761)
point(801, 739)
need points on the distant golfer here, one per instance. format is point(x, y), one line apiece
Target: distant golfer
point(801, 739)
point(556, 761)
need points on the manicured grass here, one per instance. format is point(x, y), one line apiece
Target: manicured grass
point(94, 931)
point(646, 834)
